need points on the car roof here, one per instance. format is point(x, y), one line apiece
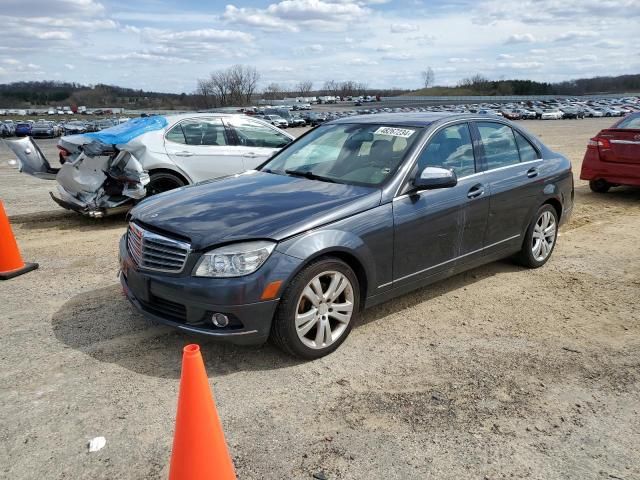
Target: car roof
point(182, 116)
point(409, 119)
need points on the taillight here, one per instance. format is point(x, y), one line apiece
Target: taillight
point(599, 142)
point(63, 151)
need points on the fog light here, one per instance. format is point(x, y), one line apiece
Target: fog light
point(220, 320)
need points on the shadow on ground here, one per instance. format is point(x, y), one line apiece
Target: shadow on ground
point(67, 220)
point(102, 324)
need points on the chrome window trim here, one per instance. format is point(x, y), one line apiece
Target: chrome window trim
point(418, 149)
point(476, 175)
point(625, 142)
point(448, 261)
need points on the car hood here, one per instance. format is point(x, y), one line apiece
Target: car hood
point(252, 205)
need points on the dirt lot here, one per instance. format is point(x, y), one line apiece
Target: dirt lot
point(497, 373)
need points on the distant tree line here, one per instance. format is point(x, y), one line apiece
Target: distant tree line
point(239, 86)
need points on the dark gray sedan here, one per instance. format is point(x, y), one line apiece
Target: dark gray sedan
point(351, 214)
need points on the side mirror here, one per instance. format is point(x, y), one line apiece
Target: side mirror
point(435, 177)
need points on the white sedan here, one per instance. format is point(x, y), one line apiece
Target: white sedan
point(551, 114)
point(108, 171)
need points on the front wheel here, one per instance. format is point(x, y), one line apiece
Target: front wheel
point(317, 310)
point(540, 239)
point(162, 182)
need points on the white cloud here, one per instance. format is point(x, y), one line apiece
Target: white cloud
point(520, 38)
point(505, 56)
point(575, 35)
point(403, 27)
point(69, 66)
point(521, 65)
point(361, 61)
point(609, 44)
point(397, 56)
point(292, 15)
point(458, 60)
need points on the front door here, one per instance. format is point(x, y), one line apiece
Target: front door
point(434, 228)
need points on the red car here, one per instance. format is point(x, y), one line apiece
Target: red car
point(613, 156)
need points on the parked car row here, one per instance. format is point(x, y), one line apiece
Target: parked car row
point(52, 129)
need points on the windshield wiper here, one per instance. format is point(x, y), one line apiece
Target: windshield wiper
point(310, 175)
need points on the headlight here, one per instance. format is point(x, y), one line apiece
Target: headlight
point(234, 260)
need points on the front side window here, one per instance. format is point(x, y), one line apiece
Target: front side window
point(499, 145)
point(450, 148)
point(255, 134)
point(357, 154)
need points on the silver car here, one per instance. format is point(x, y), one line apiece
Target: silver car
point(108, 171)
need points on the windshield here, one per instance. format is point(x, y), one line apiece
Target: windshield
point(365, 154)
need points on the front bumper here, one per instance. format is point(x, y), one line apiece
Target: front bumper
point(188, 303)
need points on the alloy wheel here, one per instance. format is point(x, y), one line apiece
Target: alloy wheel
point(324, 310)
point(544, 236)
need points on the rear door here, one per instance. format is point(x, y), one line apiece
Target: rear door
point(512, 173)
point(624, 140)
point(202, 148)
point(255, 141)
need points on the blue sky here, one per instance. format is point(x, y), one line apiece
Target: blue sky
point(167, 45)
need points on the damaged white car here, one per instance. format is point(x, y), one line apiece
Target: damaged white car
point(107, 172)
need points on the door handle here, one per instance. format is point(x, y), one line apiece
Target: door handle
point(250, 155)
point(184, 154)
point(532, 172)
point(476, 191)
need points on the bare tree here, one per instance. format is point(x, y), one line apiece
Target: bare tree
point(428, 77)
point(273, 91)
point(304, 87)
point(331, 87)
point(233, 86)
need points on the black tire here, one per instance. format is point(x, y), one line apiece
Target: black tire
point(283, 329)
point(163, 182)
point(526, 257)
point(599, 186)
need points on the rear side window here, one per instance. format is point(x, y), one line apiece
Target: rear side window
point(176, 135)
point(450, 148)
point(632, 122)
point(527, 152)
point(499, 145)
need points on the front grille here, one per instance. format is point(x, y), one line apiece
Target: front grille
point(151, 251)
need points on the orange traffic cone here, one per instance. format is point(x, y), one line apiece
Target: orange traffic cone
point(11, 264)
point(199, 449)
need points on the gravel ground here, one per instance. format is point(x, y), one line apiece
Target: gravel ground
point(499, 372)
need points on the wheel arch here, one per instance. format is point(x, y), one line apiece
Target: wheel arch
point(177, 173)
point(344, 246)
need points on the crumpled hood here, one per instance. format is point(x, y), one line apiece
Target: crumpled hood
point(252, 205)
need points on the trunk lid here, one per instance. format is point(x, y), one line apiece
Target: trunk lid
point(619, 145)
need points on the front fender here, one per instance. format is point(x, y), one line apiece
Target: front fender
point(317, 243)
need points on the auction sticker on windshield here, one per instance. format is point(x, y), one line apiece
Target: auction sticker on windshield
point(394, 132)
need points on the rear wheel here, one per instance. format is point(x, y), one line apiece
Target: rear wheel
point(599, 186)
point(162, 182)
point(540, 239)
point(317, 310)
